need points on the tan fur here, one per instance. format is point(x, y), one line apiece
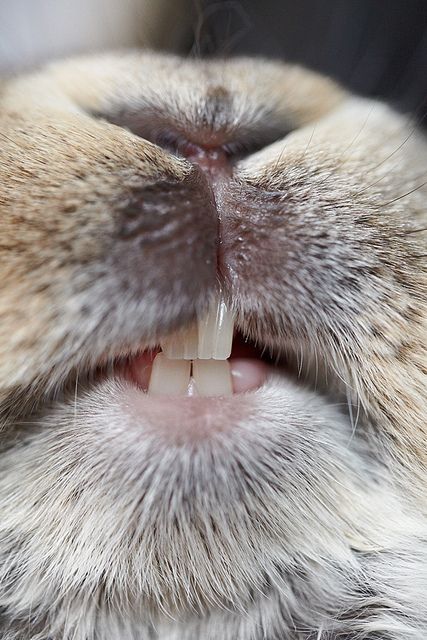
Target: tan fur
point(323, 257)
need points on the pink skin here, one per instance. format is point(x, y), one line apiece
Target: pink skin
point(212, 158)
point(138, 369)
point(247, 374)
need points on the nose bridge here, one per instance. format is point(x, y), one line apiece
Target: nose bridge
point(205, 131)
point(217, 109)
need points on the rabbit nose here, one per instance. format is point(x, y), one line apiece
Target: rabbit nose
point(211, 159)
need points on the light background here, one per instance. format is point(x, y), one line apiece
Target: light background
point(32, 31)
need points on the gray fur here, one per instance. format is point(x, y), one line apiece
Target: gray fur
point(302, 515)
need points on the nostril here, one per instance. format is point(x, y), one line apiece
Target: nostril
point(214, 147)
point(209, 158)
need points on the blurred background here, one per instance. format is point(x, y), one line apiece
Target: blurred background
point(375, 47)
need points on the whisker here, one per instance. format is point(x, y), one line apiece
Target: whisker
point(300, 358)
point(75, 400)
point(369, 186)
point(353, 420)
point(410, 134)
point(342, 158)
point(404, 195)
point(407, 233)
point(309, 142)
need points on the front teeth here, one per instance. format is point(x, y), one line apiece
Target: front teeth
point(183, 345)
point(183, 377)
point(212, 337)
point(208, 345)
point(216, 332)
point(169, 377)
point(212, 377)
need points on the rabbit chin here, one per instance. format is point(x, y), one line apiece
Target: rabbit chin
point(150, 496)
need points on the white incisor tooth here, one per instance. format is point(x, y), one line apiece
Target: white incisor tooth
point(211, 338)
point(183, 345)
point(169, 377)
point(212, 377)
point(216, 332)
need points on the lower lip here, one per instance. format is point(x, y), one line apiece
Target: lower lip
point(188, 419)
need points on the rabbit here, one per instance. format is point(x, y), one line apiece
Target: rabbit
point(136, 188)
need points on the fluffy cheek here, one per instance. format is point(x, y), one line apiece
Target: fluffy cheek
point(305, 258)
point(111, 494)
point(112, 231)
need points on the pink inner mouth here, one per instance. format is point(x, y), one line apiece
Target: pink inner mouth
point(248, 370)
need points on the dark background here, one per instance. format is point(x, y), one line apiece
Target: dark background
point(374, 47)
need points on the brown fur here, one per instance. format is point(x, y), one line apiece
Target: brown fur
point(110, 242)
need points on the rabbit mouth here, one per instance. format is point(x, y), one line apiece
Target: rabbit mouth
point(209, 358)
point(246, 369)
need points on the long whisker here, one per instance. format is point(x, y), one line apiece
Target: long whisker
point(371, 169)
point(404, 195)
point(342, 159)
point(410, 231)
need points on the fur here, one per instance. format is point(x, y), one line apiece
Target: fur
point(302, 514)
